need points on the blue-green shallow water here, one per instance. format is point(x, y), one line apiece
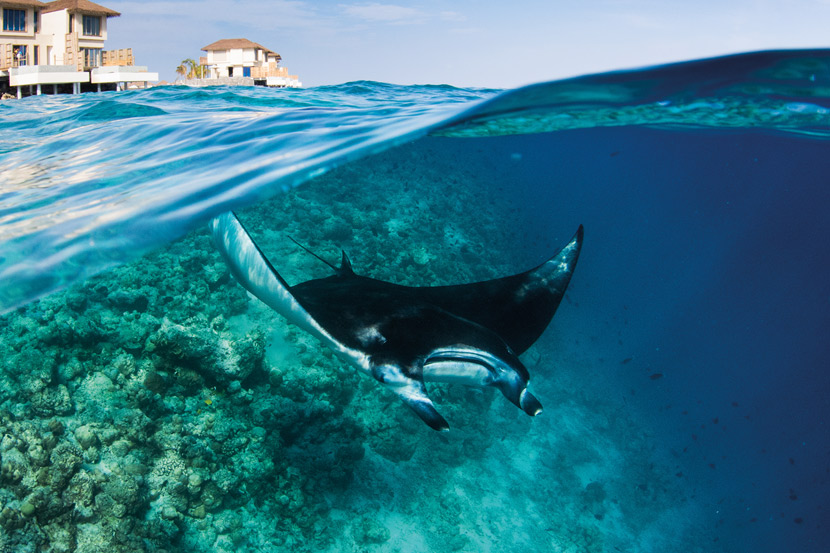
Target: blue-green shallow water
point(156, 406)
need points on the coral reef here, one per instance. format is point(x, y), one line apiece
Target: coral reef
point(157, 407)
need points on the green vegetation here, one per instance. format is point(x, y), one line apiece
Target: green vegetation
point(189, 69)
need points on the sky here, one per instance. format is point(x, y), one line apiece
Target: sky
point(468, 43)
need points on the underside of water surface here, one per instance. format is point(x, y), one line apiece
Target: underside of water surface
point(159, 400)
point(157, 406)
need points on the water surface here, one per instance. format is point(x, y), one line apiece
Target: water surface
point(684, 377)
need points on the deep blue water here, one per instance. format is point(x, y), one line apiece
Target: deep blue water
point(708, 264)
point(701, 302)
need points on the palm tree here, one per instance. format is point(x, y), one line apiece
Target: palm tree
point(194, 70)
point(189, 69)
point(182, 69)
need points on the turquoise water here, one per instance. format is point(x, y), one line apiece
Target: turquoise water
point(91, 181)
point(148, 403)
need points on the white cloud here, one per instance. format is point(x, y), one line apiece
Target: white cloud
point(248, 13)
point(385, 13)
point(456, 16)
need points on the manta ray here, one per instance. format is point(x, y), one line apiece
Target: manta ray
point(405, 336)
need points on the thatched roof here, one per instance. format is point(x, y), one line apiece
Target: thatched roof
point(23, 4)
point(80, 6)
point(233, 43)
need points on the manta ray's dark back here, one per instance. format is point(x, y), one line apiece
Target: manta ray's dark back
point(518, 308)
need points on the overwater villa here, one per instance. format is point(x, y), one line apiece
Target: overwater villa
point(58, 46)
point(239, 61)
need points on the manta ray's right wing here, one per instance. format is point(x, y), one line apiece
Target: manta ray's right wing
point(518, 308)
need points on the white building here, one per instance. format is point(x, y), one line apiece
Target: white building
point(241, 58)
point(19, 34)
point(61, 43)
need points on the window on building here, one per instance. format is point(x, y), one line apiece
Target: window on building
point(14, 20)
point(21, 55)
point(92, 25)
point(92, 57)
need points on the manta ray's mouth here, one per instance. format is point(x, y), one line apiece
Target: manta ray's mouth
point(462, 366)
point(475, 367)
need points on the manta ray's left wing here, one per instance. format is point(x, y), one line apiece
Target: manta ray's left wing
point(251, 269)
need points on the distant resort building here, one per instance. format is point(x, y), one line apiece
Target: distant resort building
point(58, 46)
point(238, 61)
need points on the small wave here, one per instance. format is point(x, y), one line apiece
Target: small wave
point(744, 90)
point(94, 180)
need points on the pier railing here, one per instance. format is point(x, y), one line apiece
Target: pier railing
point(124, 56)
point(271, 70)
point(11, 56)
point(72, 56)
